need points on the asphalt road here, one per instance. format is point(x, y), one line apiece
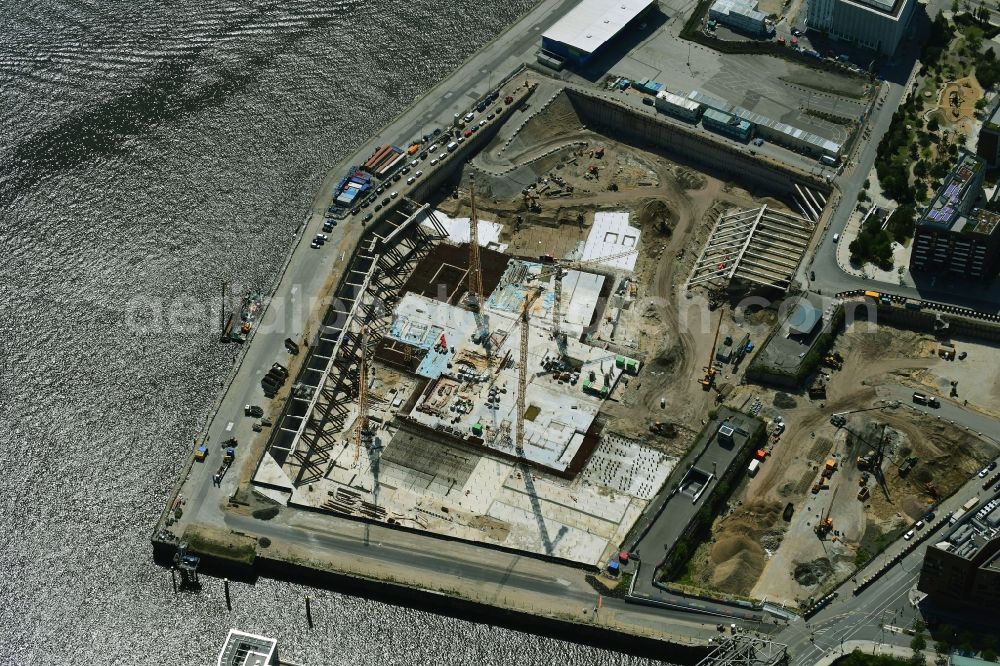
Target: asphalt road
point(305, 283)
point(950, 410)
point(306, 280)
point(887, 602)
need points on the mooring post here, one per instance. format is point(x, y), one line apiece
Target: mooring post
point(309, 617)
point(173, 579)
point(225, 583)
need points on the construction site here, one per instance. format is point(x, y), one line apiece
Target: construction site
point(845, 472)
point(533, 390)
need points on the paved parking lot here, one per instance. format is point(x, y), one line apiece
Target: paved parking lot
point(767, 85)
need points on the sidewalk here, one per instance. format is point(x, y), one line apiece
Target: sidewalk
point(868, 647)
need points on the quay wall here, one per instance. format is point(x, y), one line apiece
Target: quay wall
point(604, 635)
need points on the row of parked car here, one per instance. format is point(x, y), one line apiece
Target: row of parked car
point(441, 143)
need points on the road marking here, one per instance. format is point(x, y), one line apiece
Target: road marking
point(294, 289)
point(229, 427)
point(564, 583)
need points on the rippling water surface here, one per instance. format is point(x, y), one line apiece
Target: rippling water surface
point(149, 150)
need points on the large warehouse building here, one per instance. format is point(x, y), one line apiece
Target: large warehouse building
point(582, 33)
point(875, 24)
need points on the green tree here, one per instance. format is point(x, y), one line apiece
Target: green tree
point(918, 643)
point(989, 654)
point(954, 6)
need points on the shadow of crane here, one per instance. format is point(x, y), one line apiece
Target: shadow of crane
point(548, 543)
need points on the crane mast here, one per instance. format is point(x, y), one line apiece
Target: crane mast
point(522, 371)
point(361, 430)
point(475, 274)
point(559, 270)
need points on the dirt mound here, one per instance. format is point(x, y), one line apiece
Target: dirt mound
point(657, 214)
point(813, 573)
point(669, 357)
point(729, 547)
point(913, 506)
point(689, 180)
point(784, 401)
point(738, 574)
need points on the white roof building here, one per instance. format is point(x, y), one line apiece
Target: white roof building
point(593, 22)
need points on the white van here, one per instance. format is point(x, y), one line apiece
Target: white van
point(836, 237)
point(452, 146)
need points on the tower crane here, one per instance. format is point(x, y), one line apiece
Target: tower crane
point(709, 379)
point(559, 270)
point(522, 369)
point(475, 274)
point(361, 432)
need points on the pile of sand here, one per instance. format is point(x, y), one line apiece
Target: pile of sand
point(737, 558)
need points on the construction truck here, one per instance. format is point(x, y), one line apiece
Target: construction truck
point(864, 493)
point(834, 360)
point(817, 392)
point(227, 461)
point(824, 527)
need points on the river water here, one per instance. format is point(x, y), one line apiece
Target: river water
point(148, 151)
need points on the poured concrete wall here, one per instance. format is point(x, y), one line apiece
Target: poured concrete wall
point(713, 156)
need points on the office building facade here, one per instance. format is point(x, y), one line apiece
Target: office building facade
point(953, 237)
point(874, 24)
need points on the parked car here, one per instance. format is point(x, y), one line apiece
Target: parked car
point(253, 410)
point(410, 180)
point(758, 141)
point(909, 535)
point(992, 466)
point(367, 218)
point(983, 472)
point(648, 101)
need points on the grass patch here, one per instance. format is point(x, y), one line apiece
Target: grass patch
point(858, 658)
point(830, 117)
point(213, 543)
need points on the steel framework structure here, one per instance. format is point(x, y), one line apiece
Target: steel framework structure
point(746, 650)
point(327, 388)
point(758, 245)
